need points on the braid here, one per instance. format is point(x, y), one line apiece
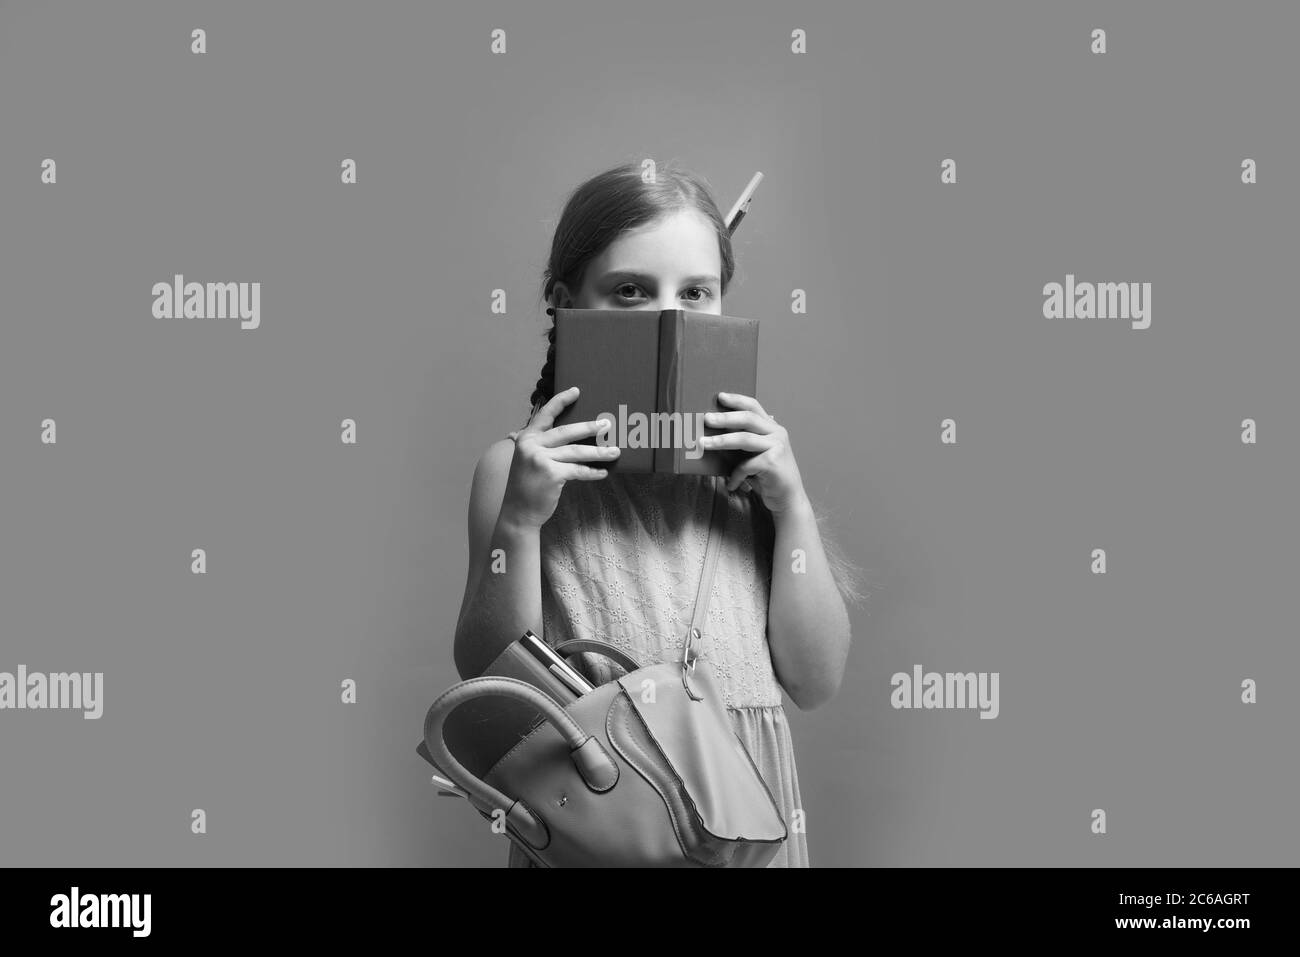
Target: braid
point(546, 381)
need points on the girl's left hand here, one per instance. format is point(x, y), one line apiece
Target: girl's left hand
point(771, 467)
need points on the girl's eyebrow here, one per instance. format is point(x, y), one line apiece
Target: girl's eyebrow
point(646, 278)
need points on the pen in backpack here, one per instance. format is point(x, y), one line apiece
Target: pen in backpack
point(568, 682)
point(447, 788)
point(742, 205)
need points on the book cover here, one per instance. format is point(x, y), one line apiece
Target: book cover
point(654, 375)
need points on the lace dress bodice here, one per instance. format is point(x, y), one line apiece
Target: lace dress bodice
point(621, 562)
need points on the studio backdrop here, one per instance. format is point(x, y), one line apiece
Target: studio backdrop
point(1024, 278)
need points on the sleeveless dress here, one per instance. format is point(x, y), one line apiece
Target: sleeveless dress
point(621, 561)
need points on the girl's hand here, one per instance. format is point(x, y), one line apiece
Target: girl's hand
point(544, 460)
point(771, 469)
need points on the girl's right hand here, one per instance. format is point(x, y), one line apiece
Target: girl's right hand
point(545, 459)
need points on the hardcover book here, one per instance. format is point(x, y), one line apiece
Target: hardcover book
point(653, 375)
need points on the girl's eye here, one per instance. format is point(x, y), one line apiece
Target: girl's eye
point(628, 290)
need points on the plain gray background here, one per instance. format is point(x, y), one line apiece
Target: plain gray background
point(328, 562)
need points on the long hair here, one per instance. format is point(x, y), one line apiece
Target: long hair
point(598, 212)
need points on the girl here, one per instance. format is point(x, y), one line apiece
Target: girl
point(615, 556)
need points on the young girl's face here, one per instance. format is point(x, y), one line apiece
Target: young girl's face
point(671, 263)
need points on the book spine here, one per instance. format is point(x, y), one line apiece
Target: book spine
point(667, 459)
